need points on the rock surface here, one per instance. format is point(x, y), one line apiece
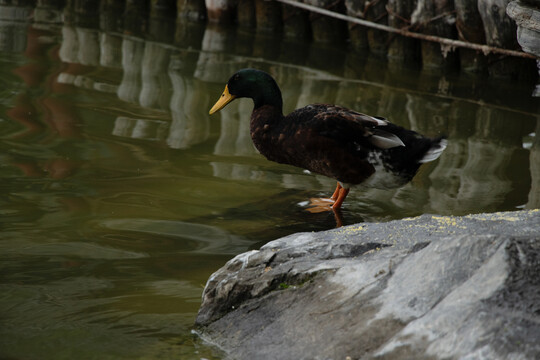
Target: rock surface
point(427, 287)
point(526, 14)
point(527, 17)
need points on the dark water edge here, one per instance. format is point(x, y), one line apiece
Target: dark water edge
point(122, 196)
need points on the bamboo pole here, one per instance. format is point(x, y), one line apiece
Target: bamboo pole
point(449, 43)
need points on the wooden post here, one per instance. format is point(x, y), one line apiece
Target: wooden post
point(83, 13)
point(436, 17)
point(193, 10)
point(402, 49)
point(296, 23)
point(111, 19)
point(357, 33)
point(246, 16)
point(136, 17)
point(324, 28)
point(221, 11)
point(470, 28)
point(162, 21)
point(268, 16)
point(361, 38)
point(378, 40)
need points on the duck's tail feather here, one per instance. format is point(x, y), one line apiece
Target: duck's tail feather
point(435, 151)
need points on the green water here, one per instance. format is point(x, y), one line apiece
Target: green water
point(121, 195)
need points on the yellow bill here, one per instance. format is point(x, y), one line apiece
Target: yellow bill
point(224, 99)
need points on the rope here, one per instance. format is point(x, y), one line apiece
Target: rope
point(486, 49)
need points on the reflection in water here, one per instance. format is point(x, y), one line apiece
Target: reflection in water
point(155, 90)
point(190, 125)
point(140, 128)
point(132, 53)
point(204, 239)
point(121, 194)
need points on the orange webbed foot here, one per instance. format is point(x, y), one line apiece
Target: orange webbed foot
point(318, 205)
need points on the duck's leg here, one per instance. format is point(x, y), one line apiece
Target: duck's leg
point(343, 192)
point(336, 192)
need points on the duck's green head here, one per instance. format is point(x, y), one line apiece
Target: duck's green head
point(250, 83)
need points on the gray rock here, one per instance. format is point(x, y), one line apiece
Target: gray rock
point(527, 18)
point(427, 287)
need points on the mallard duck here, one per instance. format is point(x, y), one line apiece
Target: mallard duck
point(353, 148)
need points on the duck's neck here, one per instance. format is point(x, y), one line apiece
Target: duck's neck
point(269, 95)
point(266, 115)
point(266, 122)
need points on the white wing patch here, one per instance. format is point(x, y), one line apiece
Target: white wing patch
point(385, 140)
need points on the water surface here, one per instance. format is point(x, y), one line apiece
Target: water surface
point(121, 195)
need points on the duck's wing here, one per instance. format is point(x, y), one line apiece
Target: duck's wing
point(349, 126)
